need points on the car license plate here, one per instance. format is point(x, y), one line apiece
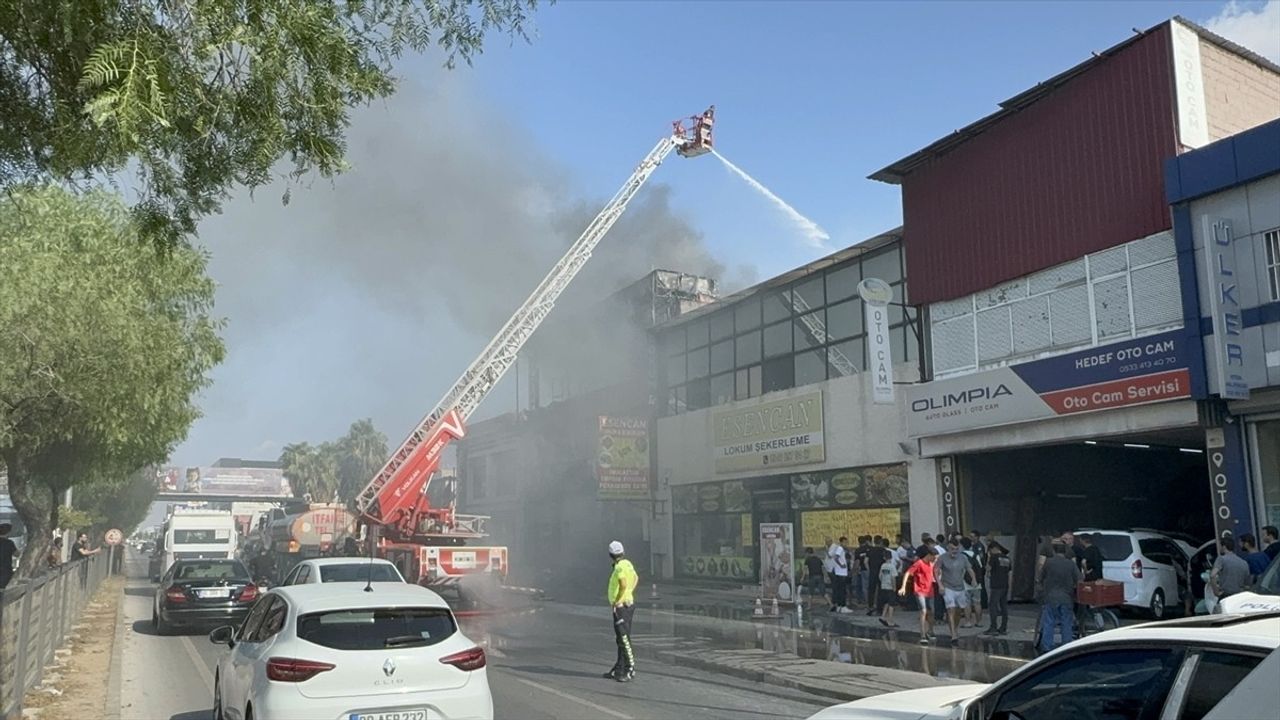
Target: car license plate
point(416, 714)
point(214, 593)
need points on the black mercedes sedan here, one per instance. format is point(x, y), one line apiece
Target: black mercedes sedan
point(203, 592)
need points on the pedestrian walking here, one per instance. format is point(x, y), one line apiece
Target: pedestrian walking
point(1230, 572)
point(8, 552)
point(877, 555)
point(829, 562)
point(622, 588)
point(955, 575)
point(974, 611)
point(887, 580)
point(999, 567)
point(1059, 577)
point(919, 577)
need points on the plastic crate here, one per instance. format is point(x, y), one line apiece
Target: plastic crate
point(1100, 593)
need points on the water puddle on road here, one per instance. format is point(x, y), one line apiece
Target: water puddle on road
point(821, 637)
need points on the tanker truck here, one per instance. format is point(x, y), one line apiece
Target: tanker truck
point(319, 531)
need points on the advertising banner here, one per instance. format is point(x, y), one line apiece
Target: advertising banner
point(818, 525)
point(237, 481)
point(772, 434)
point(876, 296)
point(167, 479)
point(880, 485)
point(622, 458)
point(777, 570)
point(1133, 372)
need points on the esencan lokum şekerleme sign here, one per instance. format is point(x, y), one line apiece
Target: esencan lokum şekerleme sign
point(772, 434)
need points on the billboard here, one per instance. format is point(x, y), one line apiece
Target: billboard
point(771, 434)
point(236, 481)
point(777, 569)
point(1133, 372)
point(622, 458)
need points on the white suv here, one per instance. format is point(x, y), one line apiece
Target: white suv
point(339, 651)
point(1147, 563)
point(1215, 667)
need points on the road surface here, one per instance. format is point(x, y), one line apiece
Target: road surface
point(542, 666)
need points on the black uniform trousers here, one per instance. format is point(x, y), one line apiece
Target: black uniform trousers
point(622, 617)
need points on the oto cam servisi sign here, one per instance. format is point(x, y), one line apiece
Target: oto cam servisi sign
point(772, 434)
point(1133, 372)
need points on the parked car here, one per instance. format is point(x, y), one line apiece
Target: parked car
point(343, 569)
point(202, 592)
point(1147, 563)
point(1174, 669)
point(336, 651)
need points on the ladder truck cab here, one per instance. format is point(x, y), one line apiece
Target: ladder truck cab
point(394, 507)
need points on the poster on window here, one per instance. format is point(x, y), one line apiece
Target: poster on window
point(622, 458)
point(777, 571)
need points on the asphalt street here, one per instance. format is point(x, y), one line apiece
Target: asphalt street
point(545, 664)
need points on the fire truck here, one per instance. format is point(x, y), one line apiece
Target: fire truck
point(400, 522)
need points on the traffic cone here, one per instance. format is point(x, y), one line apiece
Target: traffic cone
point(653, 592)
point(773, 609)
point(759, 611)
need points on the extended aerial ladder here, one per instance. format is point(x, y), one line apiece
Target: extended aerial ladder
point(395, 501)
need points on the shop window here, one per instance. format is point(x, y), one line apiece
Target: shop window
point(779, 374)
point(748, 348)
point(698, 362)
point(712, 546)
point(676, 401)
point(697, 333)
point(809, 294)
point(721, 325)
point(1267, 441)
point(912, 353)
point(777, 339)
point(903, 341)
point(698, 394)
point(746, 314)
point(777, 306)
point(844, 320)
point(675, 370)
point(1272, 240)
point(811, 330)
point(748, 383)
point(846, 358)
point(722, 388)
point(897, 311)
point(843, 282)
point(673, 342)
point(1157, 298)
point(886, 265)
point(722, 356)
point(811, 367)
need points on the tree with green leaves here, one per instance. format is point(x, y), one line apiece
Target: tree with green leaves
point(338, 469)
point(200, 96)
point(312, 470)
point(363, 452)
point(104, 343)
point(121, 503)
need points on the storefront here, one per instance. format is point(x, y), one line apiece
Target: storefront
point(716, 524)
point(1226, 213)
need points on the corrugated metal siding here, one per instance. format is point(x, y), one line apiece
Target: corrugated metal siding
point(1079, 171)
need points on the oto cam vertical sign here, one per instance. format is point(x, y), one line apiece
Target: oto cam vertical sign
point(1224, 306)
point(876, 296)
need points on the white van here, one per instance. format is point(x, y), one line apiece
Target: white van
point(197, 533)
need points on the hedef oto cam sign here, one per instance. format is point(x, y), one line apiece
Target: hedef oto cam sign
point(1133, 372)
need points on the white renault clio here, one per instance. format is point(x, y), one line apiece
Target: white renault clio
point(337, 651)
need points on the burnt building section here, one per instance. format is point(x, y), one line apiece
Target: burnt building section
point(571, 470)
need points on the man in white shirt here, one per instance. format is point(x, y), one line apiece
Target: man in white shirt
point(840, 573)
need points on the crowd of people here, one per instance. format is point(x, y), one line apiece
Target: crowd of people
point(954, 578)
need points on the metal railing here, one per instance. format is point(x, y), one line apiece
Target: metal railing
point(35, 617)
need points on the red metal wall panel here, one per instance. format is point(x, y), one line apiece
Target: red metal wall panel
point(1078, 171)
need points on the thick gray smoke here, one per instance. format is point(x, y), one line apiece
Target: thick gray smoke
point(366, 296)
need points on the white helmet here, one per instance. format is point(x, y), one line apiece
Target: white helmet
point(615, 548)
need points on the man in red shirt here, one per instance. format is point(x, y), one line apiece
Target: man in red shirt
point(919, 577)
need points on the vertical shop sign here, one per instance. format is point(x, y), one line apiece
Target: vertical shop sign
point(947, 492)
point(1188, 76)
point(1227, 482)
point(622, 458)
point(1224, 306)
point(876, 296)
point(777, 568)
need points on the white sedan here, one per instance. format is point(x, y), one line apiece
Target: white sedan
point(337, 652)
point(343, 569)
point(1175, 669)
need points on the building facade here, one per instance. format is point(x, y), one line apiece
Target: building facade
point(769, 417)
point(1226, 211)
point(1065, 373)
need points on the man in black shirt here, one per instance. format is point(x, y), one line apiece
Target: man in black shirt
point(876, 556)
point(999, 567)
point(813, 575)
point(1092, 559)
point(1271, 541)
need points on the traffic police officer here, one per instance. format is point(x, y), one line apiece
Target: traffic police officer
point(622, 588)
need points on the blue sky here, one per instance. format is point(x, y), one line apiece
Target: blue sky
point(366, 297)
